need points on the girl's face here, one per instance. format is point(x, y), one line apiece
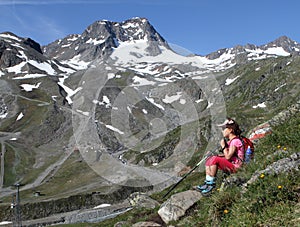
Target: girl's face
point(226, 132)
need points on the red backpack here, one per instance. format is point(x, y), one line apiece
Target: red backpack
point(247, 143)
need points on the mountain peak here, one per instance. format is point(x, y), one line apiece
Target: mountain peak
point(100, 38)
point(136, 28)
point(286, 44)
point(137, 19)
point(13, 38)
point(284, 39)
point(33, 44)
point(23, 57)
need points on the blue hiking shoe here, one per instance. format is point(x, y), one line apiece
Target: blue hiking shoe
point(210, 186)
point(201, 187)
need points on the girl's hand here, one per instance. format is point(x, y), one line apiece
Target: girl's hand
point(223, 143)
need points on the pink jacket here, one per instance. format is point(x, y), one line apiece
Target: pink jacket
point(238, 157)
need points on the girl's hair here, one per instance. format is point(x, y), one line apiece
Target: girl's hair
point(234, 126)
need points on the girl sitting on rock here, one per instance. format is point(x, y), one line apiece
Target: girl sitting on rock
point(229, 161)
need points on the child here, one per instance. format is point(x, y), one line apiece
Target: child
point(229, 161)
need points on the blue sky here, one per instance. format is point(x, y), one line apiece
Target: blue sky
point(200, 26)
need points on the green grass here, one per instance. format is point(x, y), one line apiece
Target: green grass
point(33, 115)
point(257, 86)
point(10, 172)
point(16, 164)
point(64, 179)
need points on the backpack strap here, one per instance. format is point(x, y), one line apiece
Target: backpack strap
point(243, 143)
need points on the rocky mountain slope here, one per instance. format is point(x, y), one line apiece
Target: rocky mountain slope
point(115, 109)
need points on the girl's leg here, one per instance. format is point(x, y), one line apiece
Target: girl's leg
point(211, 170)
point(211, 167)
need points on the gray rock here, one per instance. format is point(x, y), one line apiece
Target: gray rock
point(176, 206)
point(284, 165)
point(285, 114)
point(146, 224)
point(139, 199)
point(120, 224)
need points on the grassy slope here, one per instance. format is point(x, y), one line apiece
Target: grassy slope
point(272, 81)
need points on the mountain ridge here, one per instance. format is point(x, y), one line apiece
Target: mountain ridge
point(101, 38)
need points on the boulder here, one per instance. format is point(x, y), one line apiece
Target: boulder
point(176, 206)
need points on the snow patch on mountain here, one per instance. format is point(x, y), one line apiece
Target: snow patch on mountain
point(76, 63)
point(172, 98)
point(138, 81)
point(84, 113)
point(220, 63)
point(70, 92)
point(44, 66)
point(8, 37)
point(260, 105)
point(105, 101)
point(279, 51)
point(279, 87)
point(258, 54)
point(95, 41)
point(3, 115)
point(17, 69)
point(134, 55)
point(24, 56)
point(30, 76)
point(114, 129)
point(230, 81)
point(66, 70)
point(135, 52)
point(20, 116)
point(30, 87)
point(154, 103)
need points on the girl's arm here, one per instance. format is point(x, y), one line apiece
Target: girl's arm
point(228, 152)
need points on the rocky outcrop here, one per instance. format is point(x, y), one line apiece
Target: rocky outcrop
point(285, 115)
point(138, 199)
point(24, 55)
point(176, 206)
point(284, 165)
